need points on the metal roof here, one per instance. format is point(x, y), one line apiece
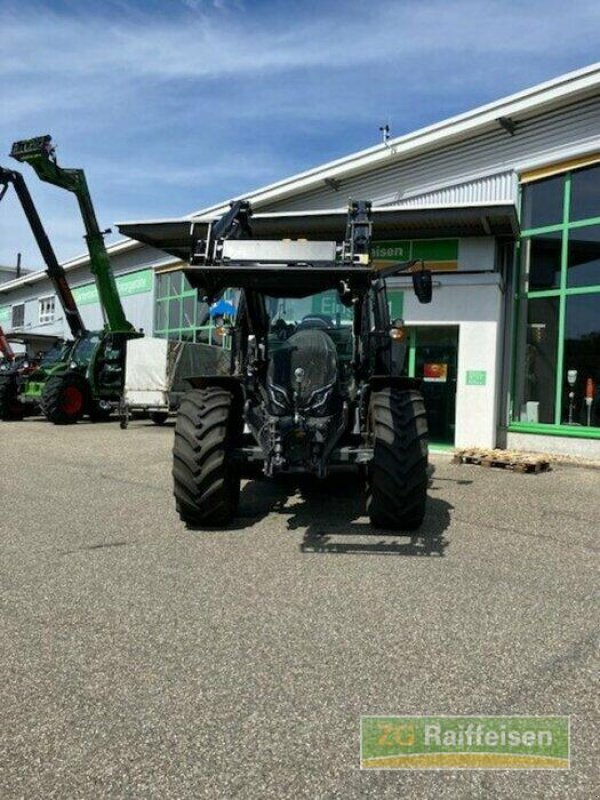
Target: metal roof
point(175, 235)
point(554, 93)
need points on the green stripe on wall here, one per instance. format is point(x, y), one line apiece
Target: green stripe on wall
point(133, 283)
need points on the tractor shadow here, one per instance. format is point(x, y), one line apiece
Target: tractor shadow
point(332, 515)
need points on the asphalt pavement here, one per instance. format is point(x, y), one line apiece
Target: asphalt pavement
point(142, 660)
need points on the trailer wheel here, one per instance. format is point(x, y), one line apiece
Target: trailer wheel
point(10, 408)
point(397, 475)
point(159, 417)
point(64, 399)
point(206, 482)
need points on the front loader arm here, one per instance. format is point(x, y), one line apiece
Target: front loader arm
point(53, 269)
point(40, 155)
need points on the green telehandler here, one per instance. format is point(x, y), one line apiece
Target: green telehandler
point(90, 381)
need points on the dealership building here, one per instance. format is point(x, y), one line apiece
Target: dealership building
point(503, 205)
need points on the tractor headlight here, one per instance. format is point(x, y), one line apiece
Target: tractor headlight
point(398, 331)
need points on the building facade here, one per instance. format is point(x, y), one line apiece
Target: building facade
point(502, 203)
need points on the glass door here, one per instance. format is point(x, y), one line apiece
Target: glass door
point(432, 358)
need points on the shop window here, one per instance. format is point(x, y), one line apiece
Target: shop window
point(46, 309)
point(189, 305)
point(539, 361)
point(542, 202)
point(18, 315)
point(174, 312)
point(175, 283)
point(161, 317)
point(179, 314)
point(187, 286)
point(543, 260)
point(162, 285)
point(585, 197)
point(581, 372)
point(584, 256)
point(557, 372)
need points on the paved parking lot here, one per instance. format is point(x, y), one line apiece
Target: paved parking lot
point(139, 659)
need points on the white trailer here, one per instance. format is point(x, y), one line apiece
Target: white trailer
point(156, 375)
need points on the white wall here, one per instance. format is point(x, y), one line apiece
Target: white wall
point(474, 304)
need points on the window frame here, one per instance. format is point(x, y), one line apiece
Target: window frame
point(179, 331)
point(46, 318)
point(12, 315)
point(562, 292)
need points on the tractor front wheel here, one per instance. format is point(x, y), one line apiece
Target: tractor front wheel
point(10, 408)
point(206, 480)
point(397, 476)
point(159, 417)
point(64, 399)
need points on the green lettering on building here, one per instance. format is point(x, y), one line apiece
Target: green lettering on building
point(391, 251)
point(328, 304)
point(438, 254)
point(133, 283)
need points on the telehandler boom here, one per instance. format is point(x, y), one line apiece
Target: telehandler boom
point(91, 379)
point(53, 269)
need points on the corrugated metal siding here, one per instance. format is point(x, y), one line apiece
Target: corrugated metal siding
point(553, 134)
point(498, 188)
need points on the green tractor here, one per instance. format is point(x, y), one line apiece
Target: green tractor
point(88, 380)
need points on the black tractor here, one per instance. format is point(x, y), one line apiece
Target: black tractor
point(313, 380)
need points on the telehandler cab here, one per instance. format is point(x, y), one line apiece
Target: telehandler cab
point(90, 380)
point(40, 352)
point(315, 373)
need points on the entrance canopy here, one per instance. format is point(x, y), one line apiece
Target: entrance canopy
point(175, 236)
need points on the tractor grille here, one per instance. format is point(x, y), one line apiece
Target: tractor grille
point(310, 350)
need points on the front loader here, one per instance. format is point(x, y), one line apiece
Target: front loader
point(315, 379)
point(21, 388)
point(90, 381)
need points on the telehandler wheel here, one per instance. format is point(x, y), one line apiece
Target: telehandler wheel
point(206, 480)
point(65, 399)
point(397, 476)
point(159, 417)
point(10, 408)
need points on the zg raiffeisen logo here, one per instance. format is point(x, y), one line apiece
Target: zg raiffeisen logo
point(464, 742)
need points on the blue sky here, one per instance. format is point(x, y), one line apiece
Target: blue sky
point(171, 105)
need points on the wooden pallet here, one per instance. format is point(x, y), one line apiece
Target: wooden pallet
point(503, 459)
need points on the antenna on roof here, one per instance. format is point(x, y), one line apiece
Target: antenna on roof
point(385, 132)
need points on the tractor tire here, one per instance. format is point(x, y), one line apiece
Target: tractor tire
point(10, 408)
point(397, 475)
point(206, 482)
point(65, 399)
point(159, 417)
